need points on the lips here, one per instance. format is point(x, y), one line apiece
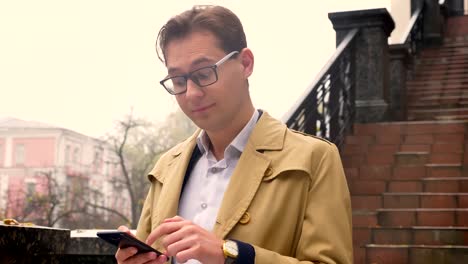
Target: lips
point(202, 108)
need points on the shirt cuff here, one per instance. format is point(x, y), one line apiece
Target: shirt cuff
point(246, 253)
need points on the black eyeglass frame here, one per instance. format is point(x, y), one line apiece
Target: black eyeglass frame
point(189, 75)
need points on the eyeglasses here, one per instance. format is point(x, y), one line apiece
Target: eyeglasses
point(202, 77)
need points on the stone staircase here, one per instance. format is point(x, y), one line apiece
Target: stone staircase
point(409, 191)
point(409, 180)
point(439, 90)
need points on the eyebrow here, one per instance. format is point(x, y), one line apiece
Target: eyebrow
point(194, 63)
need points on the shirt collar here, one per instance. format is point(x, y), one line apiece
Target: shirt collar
point(239, 142)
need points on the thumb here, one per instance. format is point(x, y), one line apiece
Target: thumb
point(125, 229)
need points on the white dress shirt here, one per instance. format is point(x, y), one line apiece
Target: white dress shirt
point(204, 190)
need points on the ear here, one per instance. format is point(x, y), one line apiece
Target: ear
point(247, 60)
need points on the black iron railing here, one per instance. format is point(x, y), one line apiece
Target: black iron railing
point(327, 107)
point(413, 36)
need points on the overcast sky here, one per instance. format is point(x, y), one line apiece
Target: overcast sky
point(83, 64)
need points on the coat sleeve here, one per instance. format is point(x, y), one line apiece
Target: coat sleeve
point(326, 235)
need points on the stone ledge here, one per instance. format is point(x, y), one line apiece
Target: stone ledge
point(37, 244)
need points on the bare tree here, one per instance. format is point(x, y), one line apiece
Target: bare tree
point(49, 206)
point(138, 144)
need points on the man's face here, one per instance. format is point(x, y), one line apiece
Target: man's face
point(217, 106)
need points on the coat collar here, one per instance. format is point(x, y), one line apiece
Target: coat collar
point(253, 165)
point(268, 134)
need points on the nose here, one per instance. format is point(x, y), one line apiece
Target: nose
point(193, 90)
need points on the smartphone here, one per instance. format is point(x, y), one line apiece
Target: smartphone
point(123, 240)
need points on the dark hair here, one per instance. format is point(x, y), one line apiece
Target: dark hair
point(218, 20)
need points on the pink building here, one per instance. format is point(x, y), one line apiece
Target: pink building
point(31, 150)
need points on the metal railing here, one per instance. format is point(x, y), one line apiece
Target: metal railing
point(327, 107)
point(413, 35)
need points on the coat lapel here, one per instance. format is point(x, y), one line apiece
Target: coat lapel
point(268, 135)
point(168, 203)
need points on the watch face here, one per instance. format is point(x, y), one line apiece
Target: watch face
point(231, 248)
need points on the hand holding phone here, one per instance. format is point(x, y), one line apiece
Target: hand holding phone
point(123, 240)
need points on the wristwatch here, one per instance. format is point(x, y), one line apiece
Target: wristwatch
point(230, 252)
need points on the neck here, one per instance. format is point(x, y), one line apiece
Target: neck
point(220, 139)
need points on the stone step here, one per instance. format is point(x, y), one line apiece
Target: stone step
point(411, 158)
point(448, 44)
point(369, 149)
point(458, 49)
point(401, 159)
point(447, 51)
point(415, 254)
point(372, 187)
point(438, 73)
point(460, 111)
point(438, 104)
point(375, 200)
point(426, 171)
point(422, 217)
point(428, 93)
point(436, 83)
point(443, 98)
point(366, 202)
point(432, 114)
point(383, 172)
point(354, 161)
point(390, 172)
point(445, 184)
point(369, 132)
point(436, 77)
point(435, 105)
point(439, 101)
point(452, 117)
point(364, 218)
point(425, 200)
point(427, 67)
point(433, 138)
point(453, 53)
point(442, 61)
point(406, 186)
point(416, 147)
point(446, 158)
point(442, 56)
point(455, 73)
point(437, 147)
point(367, 187)
point(444, 170)
point(414, 235)
point(414, 95)
point(455, 40)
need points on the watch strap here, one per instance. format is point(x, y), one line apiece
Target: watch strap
point(246, 252)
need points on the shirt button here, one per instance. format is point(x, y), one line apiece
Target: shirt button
point(214, 170)
point(204, 205)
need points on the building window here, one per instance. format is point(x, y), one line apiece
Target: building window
point(67, 154)
point(97, 158)
point(76, 155)
point(1, 155)
point(19, 154)
point(30, 188)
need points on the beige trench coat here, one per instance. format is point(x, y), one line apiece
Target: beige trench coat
point(288, 197)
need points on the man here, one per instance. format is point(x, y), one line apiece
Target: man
point(244, 188)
